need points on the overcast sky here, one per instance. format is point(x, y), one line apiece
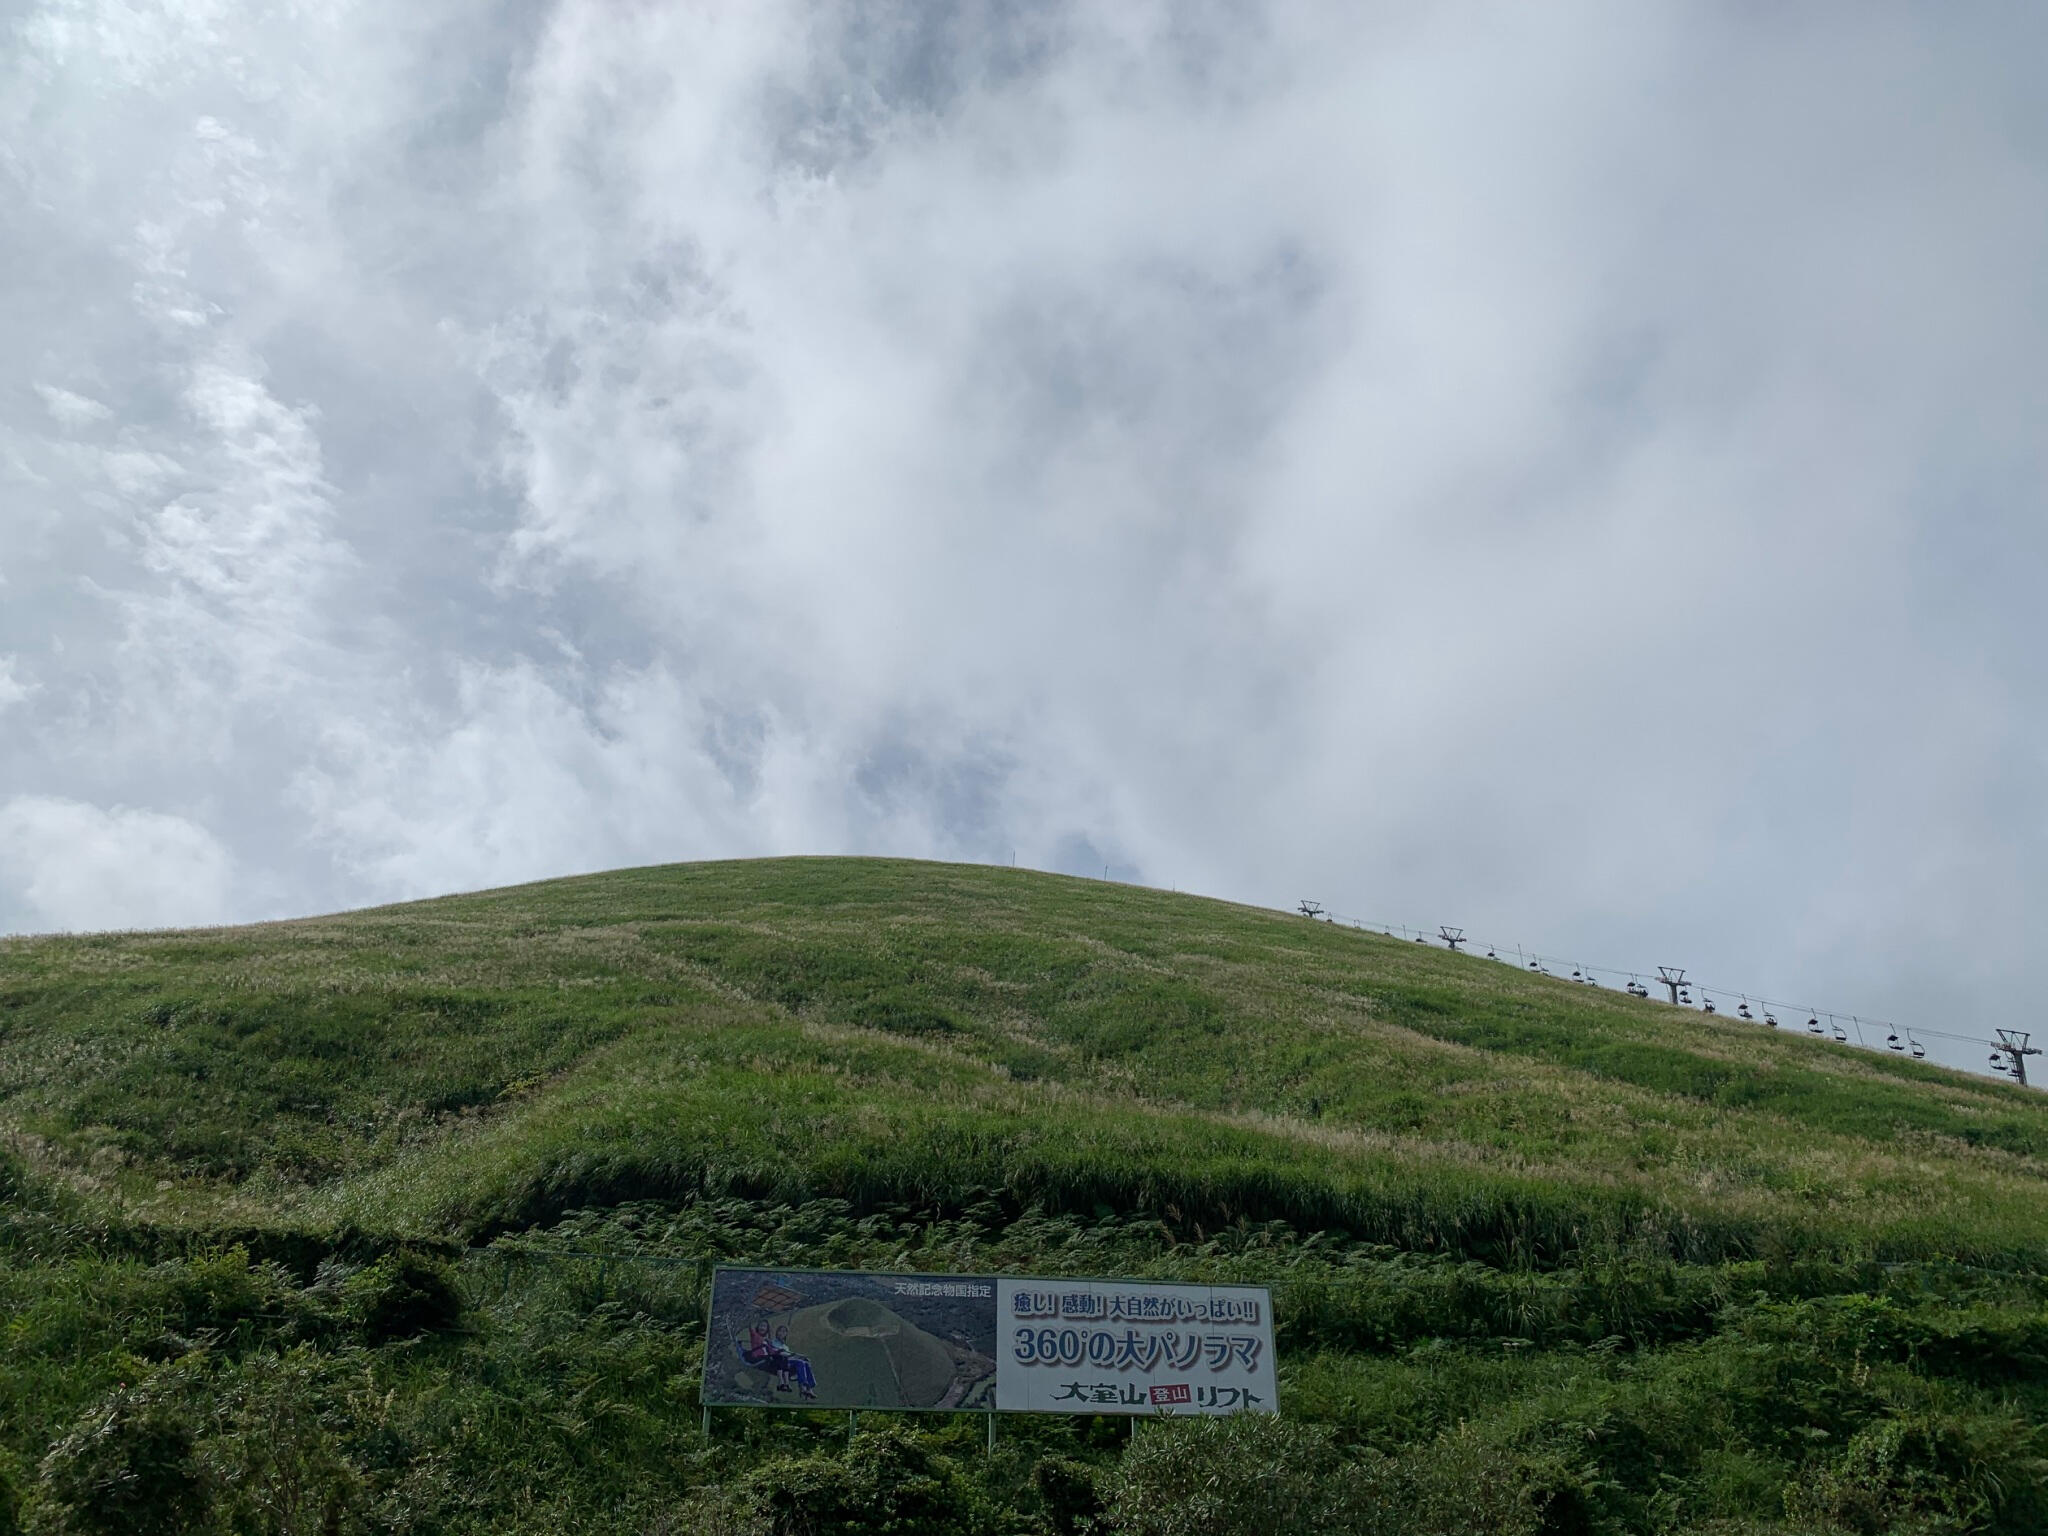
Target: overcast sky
point(1575, 470)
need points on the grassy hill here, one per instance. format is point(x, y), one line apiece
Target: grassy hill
point(1617, 1266)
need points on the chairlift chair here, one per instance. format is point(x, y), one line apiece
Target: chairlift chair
point(1813, 1026)
point(1919, 1050)
point(1742, 1010)
point(1770, 1018)
point(1840, 1033)
point(1707, 1004)
point(1893, 1041)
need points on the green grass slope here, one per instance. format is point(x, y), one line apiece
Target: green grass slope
point(1667, 1272)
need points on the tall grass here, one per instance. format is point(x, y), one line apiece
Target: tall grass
point(880, 1030)
point(1631, 1269)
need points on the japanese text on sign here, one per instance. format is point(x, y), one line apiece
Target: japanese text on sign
point(1107, 1346)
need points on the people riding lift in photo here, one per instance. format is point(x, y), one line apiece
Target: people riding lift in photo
point(772, 1354)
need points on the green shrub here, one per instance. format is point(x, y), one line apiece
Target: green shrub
point(1067, 1494)
point(1925, 1474)
point(1229, 1476)
point(1250, 1475)
point(402, 1296)
point(222, 1295)
point(127, 1468)
point(277, 1464)
point(720, 1511)
point(885, 1484)
point(1463, 1485)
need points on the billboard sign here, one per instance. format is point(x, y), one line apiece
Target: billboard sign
point(1133, 1346)
point(791, 1338)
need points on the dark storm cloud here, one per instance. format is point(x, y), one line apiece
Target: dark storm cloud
point(1575, 472)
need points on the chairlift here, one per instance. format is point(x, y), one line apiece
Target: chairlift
point(1490, 954)
point(1534, 966)
point(1840, 1033)
point(1813, 1026)
point(1742, 1010)
point(1770, 1018)
point(1684, 996)
point(1576, 976)
point(1892, 1040)
point(1707, 1004)
point(1919, 1050)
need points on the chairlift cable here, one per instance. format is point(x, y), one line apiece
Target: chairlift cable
point(1535, 963)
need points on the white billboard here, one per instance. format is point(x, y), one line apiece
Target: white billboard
point(1133, 1347)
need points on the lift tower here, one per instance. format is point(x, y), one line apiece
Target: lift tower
point(2013, 1042)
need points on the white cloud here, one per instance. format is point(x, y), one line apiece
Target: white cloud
point(68, 865)
point(1577, 478)
point(13, 689)
point(70, 410)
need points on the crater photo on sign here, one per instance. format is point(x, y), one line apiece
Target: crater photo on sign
point(818, 1339)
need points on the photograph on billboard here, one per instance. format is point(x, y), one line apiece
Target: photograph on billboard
point(792, 1338)
point(783, 1338)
